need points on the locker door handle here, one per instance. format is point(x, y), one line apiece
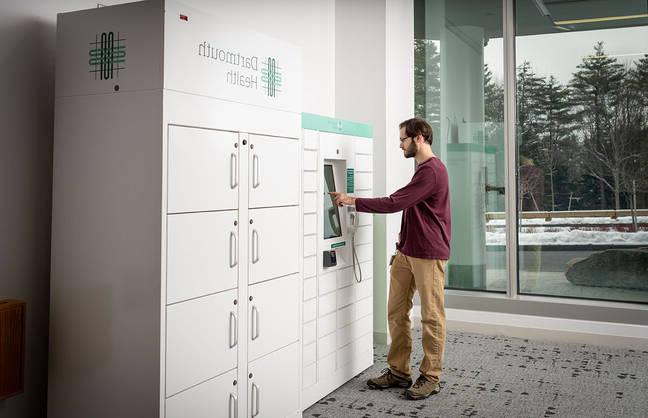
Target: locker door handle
point(233, 334)
point(233, 171)
point(255, 323)
point(233, 250)
point(255, 246)
point(255, 399)
point(256, 171)
point(233, 400)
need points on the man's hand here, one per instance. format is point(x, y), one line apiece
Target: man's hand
point(341, 199)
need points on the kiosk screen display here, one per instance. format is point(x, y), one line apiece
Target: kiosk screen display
point(332, 228)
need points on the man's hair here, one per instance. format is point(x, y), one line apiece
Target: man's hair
point(417, 126)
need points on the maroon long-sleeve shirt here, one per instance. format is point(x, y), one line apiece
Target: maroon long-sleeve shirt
point(425, 202)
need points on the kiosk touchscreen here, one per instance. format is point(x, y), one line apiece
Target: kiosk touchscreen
point(332, 226)
point(336, 226)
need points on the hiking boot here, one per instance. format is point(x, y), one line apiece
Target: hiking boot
point(422, 389)
point(389, 380)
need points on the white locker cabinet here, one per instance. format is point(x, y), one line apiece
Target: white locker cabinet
point(274, 242)
point(273, 164)
point(273, 315)
point(203, 170)
point(202, 340)
point(202, 254)
point(340, 344)
point(217, 397)
point(169, 180)
point(273, 382)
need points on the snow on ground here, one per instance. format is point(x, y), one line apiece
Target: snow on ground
point(568, 235)
point(572, 221)
point(564, 236)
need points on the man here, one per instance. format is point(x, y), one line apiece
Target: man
point(419, 264)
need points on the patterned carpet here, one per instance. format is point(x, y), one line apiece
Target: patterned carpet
point(496, 376)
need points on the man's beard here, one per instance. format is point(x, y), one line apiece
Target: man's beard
point(411, 150)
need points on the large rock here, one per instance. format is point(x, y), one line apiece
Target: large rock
point(624, 268)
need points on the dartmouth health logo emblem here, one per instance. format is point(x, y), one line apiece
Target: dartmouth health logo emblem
point(107, 55)
point(271, 77)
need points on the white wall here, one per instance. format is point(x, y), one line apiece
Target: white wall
point(375, 84)
point(26, 115)
point(309, 25)
point(27, 48)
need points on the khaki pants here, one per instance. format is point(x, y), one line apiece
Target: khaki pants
point(427, 276)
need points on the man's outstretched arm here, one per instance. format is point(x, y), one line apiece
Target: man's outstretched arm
point(421, 186)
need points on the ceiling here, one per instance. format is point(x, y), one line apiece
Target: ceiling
point(532, 16)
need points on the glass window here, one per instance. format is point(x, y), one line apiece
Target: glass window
point(459, 89)
point(582, 140)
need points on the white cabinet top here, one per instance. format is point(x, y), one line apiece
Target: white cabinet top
point(165, 45)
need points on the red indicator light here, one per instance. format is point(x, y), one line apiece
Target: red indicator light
point(184, 17)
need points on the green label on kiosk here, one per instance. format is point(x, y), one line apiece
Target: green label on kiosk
point(349, 175)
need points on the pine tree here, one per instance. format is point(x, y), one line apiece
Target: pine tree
point(529, 88)
point(531, 177)
point(493, 107)
point(596, 88)
point(493, 98)
point(554, 130)
point(427, 81)
point(639, 81)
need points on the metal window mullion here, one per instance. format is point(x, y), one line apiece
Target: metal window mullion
point(510, 152)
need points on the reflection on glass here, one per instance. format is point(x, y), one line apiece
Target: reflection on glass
point(459, 89)
point(582, 136)
point(332, 228)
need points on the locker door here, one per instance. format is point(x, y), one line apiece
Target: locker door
point(202, 170)
point(268, 398)
point(217, 397)
point(274, 243)
point(274, 171)
point(202, 254)
point(274, 315)
point(202, 340)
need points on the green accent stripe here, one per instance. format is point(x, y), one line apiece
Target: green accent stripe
point(338, 126)
point(338, 244)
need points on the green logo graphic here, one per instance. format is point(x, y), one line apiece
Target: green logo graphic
point(271, 77)
point(107, 55)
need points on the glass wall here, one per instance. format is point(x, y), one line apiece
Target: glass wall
point(582, 140)
point(581, 135)
point(458, 88)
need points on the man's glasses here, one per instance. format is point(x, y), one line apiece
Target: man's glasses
point(404, 139)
